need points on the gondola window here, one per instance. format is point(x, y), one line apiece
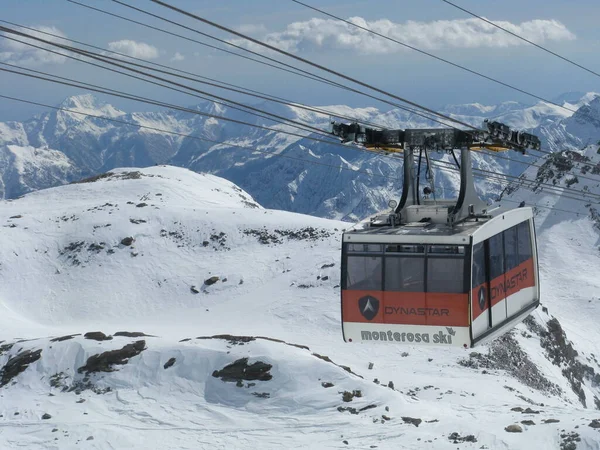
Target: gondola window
point(364, 273)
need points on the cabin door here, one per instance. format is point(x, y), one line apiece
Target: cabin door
point(481, 312)
point(497, 292)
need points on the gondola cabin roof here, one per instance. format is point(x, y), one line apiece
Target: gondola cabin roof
point(475, 230)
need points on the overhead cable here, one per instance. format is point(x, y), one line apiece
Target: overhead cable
point(311, 63)
point(137, 125)
point(489, 22)
point(431, 55)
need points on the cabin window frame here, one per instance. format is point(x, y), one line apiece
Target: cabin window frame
point(522, 243)
point(348, 251)
point(415, 252)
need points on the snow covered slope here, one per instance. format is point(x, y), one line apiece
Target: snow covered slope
point(569, 236)
point(215, 324)
point(93, 146)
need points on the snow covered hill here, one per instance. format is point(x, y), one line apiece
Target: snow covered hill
point(305, 177)
point(161, 308)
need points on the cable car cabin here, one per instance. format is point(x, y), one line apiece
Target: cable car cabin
point(427, 283)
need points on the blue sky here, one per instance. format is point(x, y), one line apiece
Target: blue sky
point(569, 28)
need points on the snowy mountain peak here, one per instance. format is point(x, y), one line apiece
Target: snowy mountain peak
point(585, 99)
point(477, 109)
point(589, 112)
point(176, 186)
point(90, 104)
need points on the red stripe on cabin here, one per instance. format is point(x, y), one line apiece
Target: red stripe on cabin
point(408, 308)
point(505, 285)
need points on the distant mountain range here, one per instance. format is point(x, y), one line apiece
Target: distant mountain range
point(309, 177)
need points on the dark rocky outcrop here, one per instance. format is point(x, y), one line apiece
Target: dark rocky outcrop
point(64, 338)
point(347, 396)
point(411, 420)
point(5, 348)
point(231, 339)
point(210, 281)
point(240, 370)
point(104, 362)
point(550, 421)
point(169, 363)
point(127, 241)
point(18, 364)
point(265, 236)
point(352, 410)
point(97, 336)
point(132, 334)
point(457, 438)
point(506, 354)
point(562, 354)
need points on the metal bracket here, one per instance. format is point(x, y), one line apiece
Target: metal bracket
point(468, 204)
point(410, 192)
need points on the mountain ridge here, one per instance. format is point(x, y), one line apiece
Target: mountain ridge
point(94, 146)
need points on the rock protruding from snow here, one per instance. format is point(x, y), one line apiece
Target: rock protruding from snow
point(240, 370)
point(105, 361)
point(18, 364)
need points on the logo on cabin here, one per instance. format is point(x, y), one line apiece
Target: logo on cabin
point(368, 306)
point(481, 297)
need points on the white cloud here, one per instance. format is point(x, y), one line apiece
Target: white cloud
point(133, 48)
point(252, 28)
point(177, 57)
point(17, 53)
point(439, 34)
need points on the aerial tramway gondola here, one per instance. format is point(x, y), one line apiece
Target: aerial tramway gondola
point(442, 272)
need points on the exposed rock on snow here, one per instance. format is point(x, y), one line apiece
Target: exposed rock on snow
point(64, 338)
point(132, 334)
point(169, 363)
point(104, 362)
point(127, 241)
point(457, 438)
point(412, 421)
point(210, 281)
point(266, 319)
point(562, 354)
point(240, 370)
point(506, 354)
point(97, 336)
point(18, 364)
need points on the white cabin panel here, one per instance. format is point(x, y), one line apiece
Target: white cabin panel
point(499, 312)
